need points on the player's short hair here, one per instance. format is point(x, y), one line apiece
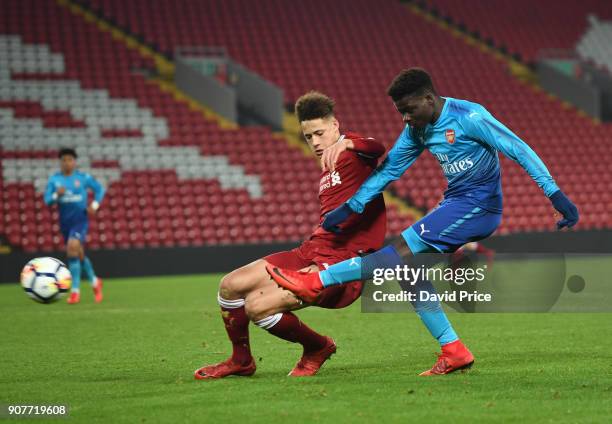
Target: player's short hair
point(314, 105)
point(413, 81)
point(67, 151)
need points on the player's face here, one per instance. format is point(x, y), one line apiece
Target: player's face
point(416, 111)
point(67, 164)
point(320, 133)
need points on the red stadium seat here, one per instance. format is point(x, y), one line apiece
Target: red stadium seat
point(161, 208)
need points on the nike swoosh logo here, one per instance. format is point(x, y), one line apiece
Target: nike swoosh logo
point(282, 276)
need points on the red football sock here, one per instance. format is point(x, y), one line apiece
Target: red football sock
point(237, 327)
point(290, 328)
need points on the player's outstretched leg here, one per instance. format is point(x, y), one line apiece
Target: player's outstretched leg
point(96, 282)
point(308, 285)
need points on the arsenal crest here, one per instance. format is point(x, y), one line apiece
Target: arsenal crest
point(450, 136)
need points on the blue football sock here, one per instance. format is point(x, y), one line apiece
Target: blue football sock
point(432, 315)
point(89, 271)
point(360, 268)
point(74, 265)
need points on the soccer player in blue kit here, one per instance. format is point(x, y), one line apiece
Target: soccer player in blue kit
point(68, 188)
point(465, 138)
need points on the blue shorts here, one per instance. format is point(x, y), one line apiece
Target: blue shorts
point(453, 223)
point(75, 231)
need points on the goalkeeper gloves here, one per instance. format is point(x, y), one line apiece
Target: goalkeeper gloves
point(566, 208)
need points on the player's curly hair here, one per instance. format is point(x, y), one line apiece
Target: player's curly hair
point(314, 105)
point(413, 81)
point(67, 151)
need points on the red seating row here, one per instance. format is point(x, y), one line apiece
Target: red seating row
point(371, 48)
point(523, 26)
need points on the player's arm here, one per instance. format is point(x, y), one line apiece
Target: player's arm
point(366, 147)
point(50, 196)
point(97, 189)
point(484, 127)
point(400, 157)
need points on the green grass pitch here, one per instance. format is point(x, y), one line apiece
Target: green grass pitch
point(131, 358)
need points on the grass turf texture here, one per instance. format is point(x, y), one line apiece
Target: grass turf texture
point(131, 358)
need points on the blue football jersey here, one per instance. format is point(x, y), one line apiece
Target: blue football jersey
point(465, 140)
point(73, 203)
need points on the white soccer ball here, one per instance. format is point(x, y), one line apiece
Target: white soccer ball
point(45, 279)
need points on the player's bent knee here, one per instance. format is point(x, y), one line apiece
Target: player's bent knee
point(234, 285)
point(227, 287)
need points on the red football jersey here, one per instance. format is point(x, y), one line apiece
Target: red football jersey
point(361, 232)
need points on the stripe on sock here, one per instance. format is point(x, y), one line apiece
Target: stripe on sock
point(269, 322)
point(230, 304)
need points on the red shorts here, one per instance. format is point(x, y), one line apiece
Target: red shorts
point(309, 253)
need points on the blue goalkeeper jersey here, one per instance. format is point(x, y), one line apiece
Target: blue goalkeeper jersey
point(465, 140)
point(73, 203)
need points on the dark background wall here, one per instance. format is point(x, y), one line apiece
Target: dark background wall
point(195, 260)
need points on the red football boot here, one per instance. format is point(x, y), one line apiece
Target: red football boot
point(97, 289)
point(75, 297)
point(223, 369)
point(455, 356)
point(305, 285)
point(310, 363)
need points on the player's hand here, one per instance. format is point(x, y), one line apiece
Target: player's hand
point(336, 217)
point(331, 154)
point(91, 211)
point(60, 191)
point(566, 208)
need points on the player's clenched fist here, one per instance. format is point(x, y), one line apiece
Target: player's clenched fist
point(565, 206)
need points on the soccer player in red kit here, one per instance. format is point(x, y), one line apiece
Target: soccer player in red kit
point(249, 294)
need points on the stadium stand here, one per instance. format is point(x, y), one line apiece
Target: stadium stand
point(595, 45)
point(174, 177)
point(367, 50)
point(523, 27)
point(71, 81)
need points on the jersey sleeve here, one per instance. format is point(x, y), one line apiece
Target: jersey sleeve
point(96, 187)
point(368, 147)
point(48, 197)
point(481, 125)
point(400, 157)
